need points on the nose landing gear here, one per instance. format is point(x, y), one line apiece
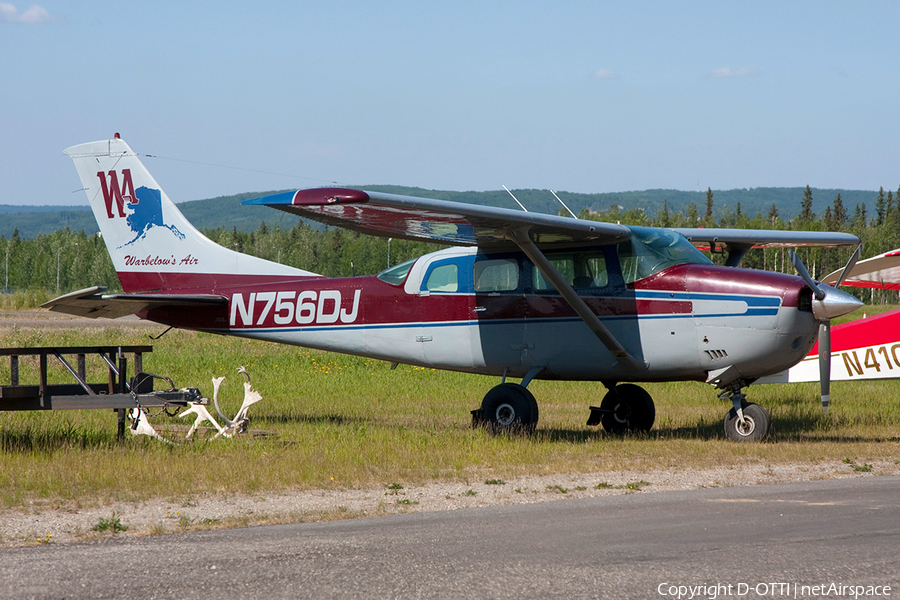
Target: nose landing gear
point(746, 421)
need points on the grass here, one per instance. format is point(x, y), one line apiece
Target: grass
point(112, 525)
point(339, 421)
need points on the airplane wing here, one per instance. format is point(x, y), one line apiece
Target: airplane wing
point(442, 221)
point(93, 303)
point(767, 238)
point(881, 272)
point(736, 242)
point(458, 223)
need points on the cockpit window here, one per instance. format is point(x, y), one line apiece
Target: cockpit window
point(651, 250)
point(396, 274)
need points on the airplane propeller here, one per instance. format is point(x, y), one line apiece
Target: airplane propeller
point(828, 303)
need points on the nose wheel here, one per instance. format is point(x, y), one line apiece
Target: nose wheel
point(753, 427)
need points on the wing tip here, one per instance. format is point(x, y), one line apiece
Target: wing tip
point(313, 197)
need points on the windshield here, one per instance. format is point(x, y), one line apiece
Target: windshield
point(395, 275)
point(650, 250)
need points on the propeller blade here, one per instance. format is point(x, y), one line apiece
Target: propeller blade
point(801, 270)
point(825, 362)
point(838, 303)
point(849, 266)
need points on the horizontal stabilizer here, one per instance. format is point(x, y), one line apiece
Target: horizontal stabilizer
point(93, 303)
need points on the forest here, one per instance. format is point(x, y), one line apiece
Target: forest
point(38, 268)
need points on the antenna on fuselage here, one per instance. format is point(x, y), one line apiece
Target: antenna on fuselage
point(564, 204)
point(514, 198)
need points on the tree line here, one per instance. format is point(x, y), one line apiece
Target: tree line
point(66, 260)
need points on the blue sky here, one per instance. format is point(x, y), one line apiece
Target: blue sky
point(575, 96)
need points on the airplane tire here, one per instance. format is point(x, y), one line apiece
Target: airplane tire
point(509, 408)
point(627, 409)
point(755, 427)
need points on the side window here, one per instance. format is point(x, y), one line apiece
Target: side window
point(500, 275)
point(579, 269)
point(562, 263)
point(444, 278)
point(591, 271)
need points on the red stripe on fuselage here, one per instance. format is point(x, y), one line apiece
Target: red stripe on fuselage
point(381, 303)
point(207, 283)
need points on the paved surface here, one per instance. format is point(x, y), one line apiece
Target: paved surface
point(763, 541)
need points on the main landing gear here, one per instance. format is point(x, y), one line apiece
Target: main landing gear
point(511, 408)
point(625, 408)
point(507, 408)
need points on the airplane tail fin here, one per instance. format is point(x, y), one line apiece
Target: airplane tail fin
point(152, 245)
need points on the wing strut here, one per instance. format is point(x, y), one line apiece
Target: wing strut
point(522, 239)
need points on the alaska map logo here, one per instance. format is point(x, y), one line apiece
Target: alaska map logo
point(147, 214)
point(145, 204)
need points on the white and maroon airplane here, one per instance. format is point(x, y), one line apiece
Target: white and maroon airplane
point(520, 294)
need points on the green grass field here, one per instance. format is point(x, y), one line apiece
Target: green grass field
point(339, 421)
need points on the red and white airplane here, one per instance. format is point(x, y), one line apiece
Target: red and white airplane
point(867, 348)
point(520, 294)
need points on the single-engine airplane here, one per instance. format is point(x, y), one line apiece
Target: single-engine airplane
point(519, 294)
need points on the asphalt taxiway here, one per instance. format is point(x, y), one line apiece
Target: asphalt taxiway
point(840, 532)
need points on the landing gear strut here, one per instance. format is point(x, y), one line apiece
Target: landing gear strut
point(746, 421)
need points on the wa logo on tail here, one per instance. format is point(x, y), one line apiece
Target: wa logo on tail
point(145, 205)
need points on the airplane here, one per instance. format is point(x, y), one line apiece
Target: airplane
point(517, 295)
point(879, 272)
point(864, 349)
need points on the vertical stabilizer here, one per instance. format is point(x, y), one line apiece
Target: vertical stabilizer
point(152, 246)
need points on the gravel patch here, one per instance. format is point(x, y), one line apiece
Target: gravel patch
point(69, 523)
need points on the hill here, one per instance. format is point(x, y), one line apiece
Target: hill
point(227, 212)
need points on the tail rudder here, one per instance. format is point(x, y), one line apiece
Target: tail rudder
point(152, 245)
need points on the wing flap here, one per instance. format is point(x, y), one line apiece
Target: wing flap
point(93, 303)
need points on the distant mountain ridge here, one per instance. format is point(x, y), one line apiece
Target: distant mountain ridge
point(227, 212)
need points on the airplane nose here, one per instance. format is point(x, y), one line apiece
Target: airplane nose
point(834, 304)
